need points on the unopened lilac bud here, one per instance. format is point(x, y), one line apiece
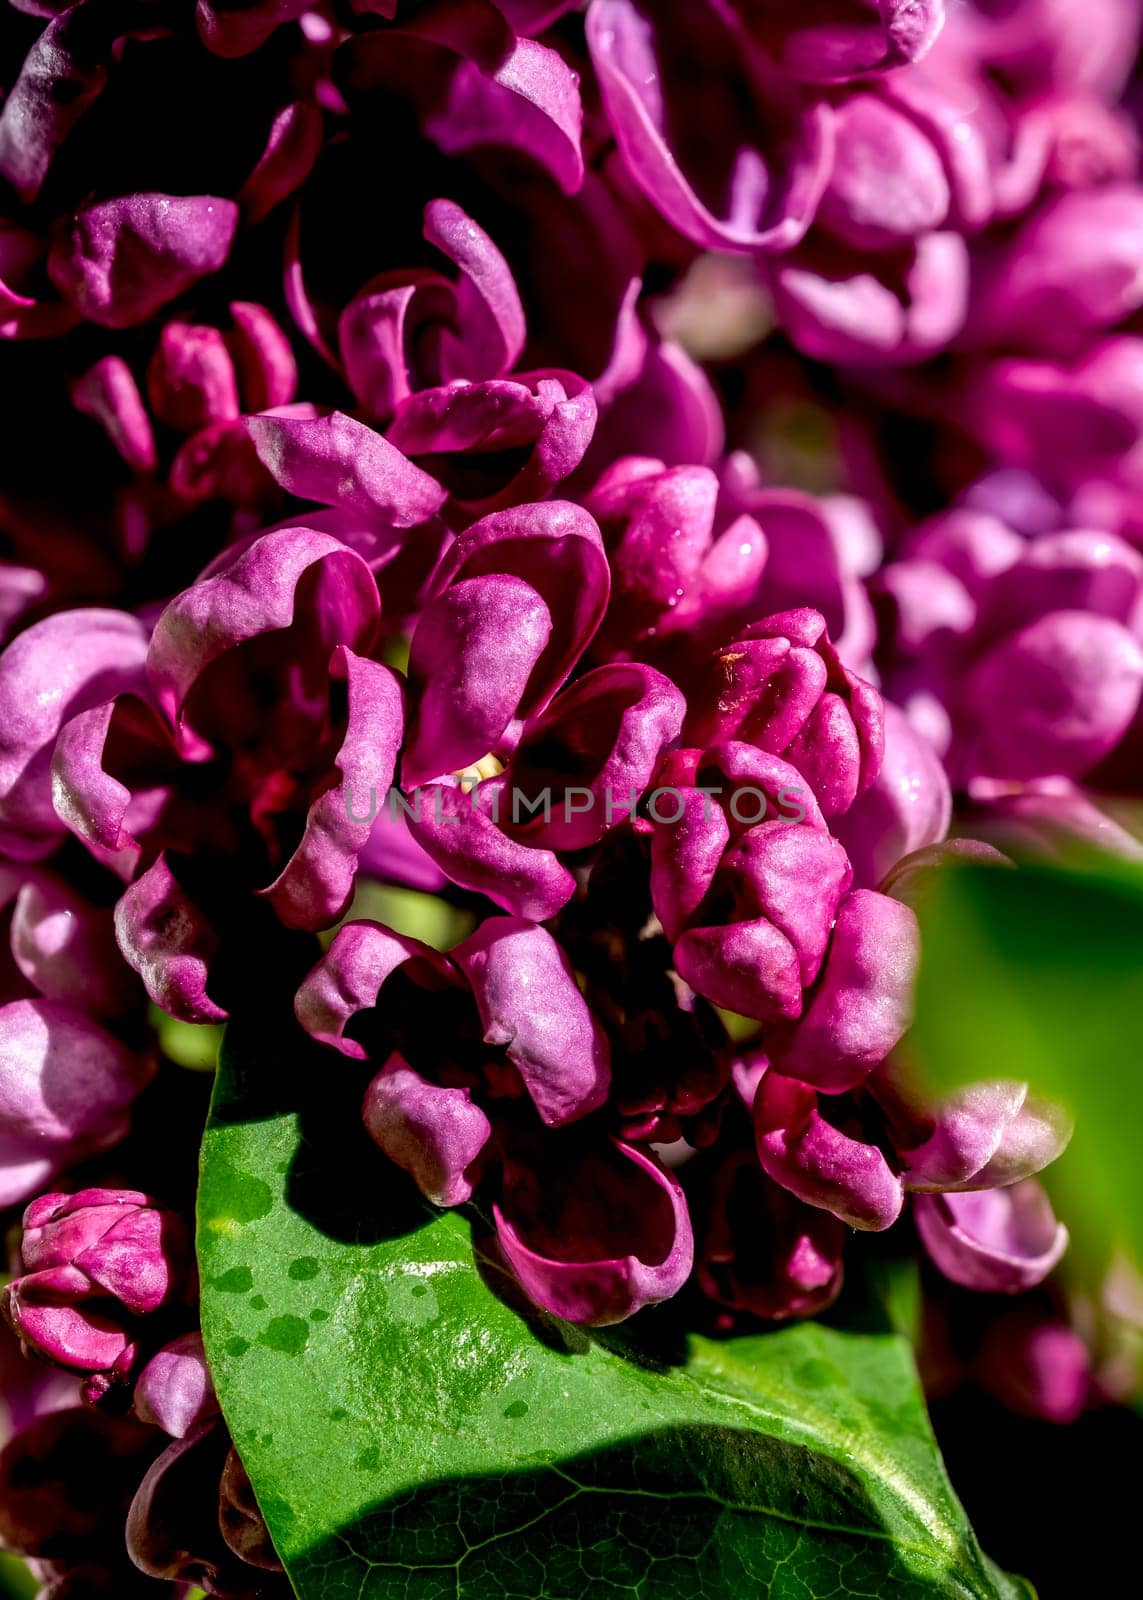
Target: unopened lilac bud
point(174, 1390)
point(94, 1262)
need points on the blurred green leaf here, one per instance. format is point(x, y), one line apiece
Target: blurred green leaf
point(16, 1582)
point(409, 911)
point(187, 1044)
point(1037, 974)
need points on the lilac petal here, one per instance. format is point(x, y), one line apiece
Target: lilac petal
point(121, 260)
point(476, 85)
point(772, 194)
point(463, 836)
point(84, 656)
point(291, 150)
point(316, 885)
point(263, 359)
point(1066, 571)
point(830, 41)
point(66, 948)
point(240, 1518)
point(43, 1309)
point(340, 462)
point(606, 730)
point(190, 379)
point(167, 940)
point(376, 336)
point(62, 75)
point(473, 655)
point(819, 1163)
point(908, 805)
point(862, 1003)
point(888, 184)
point(998, 1241)
point(1047, 818)
point(255, 592)
point(108, 392)
point(1035, 1366)
point(838, 311)
point(490, 327)
point(392, 855)
point(748, 967)
point(1053, 698)
point(174, 1391)
point(1038, 1133)
point(531, 1006)
point(941, 1146)
point(173, 1529)
point(94, 804)
point(465, 695)
point(550, 415)
point(765, 1252)
point(795, 877)
point(237, 29)
point(434, 1134)
point(619, 1236)
point(66, 1091)
point(685, 856)
point(350, 976)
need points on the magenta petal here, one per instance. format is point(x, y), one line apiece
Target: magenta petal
point(530, 1004)
point(908, 805)
point(619, 1237)
point(340, 462)
point(999, 1241)
point(66, 948)
point(44, 1310)
point(167, 940)
point(595, 750)
point(770, 194)
point(256, 592)
point(829, 41)
point(472, 657)
point(174, 1391)
point(1054, 698)
point(795, 877)
point(190, 379)
point(63, 73)
point(316, 885)
point(66, 1091)
point(121, 260)
point(862, 1003)
point(108, 392)
point(464, 837)
point(85, 656)
point(286, 162)
point(747, 967)
point(434, 1134)
point(490, 327)
point(263, 358)
point(819, 1163)
point(351, 975)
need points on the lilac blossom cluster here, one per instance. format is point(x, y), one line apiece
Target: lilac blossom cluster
point(403, 446)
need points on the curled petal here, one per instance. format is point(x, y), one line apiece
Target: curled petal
point(888, 184)
point(769, 194)
point(84, 656)
point(464, 836)
point(606, 730)
point(315, 887)
point(598, 1239)
point(795, 877)
point(169, 942)
point(819, 1163)
point(490, 329)
point(173, 1530)
point(862, 1003)
point(66, 1091)
point(829, 41)
point(263, 359)
point(174, 1391)
point(190, 380)
point(340, 462)
point(530, 1005)
point(108, 392)
point(62, 75)
point(66, 948)
point(237, 29)
point(999, 1241)
point(48, 1313)
point(291, 150)
point(257, 592)
point(351, 975)
point(747, 967)
point(434, 1134)
point(121, 260)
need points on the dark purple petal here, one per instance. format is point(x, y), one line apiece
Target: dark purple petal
point(595, 1240)
point(287, 161)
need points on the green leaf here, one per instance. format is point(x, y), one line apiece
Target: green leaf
point(410, 1433)
point(1038, 974)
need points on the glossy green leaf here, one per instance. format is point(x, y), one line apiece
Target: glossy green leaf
point(410, 1433)
point(1038, 974)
